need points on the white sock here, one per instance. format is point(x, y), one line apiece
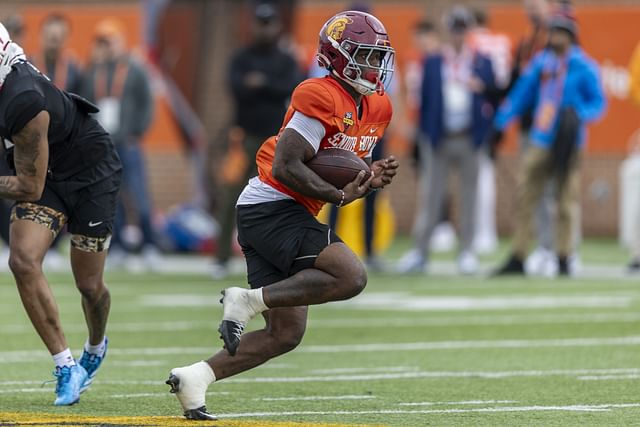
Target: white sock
point(205, 372)
point(256, 301)
point(194, 381)
point(64, 358)
point(98, 349)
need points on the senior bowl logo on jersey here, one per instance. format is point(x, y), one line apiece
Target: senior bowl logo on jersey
point(347, 120)
point(337, 27)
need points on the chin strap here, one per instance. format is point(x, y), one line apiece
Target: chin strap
point(379, 87)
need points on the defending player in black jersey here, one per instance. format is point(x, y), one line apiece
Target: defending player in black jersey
point(66, 172)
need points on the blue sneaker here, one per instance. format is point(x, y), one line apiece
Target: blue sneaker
point(69, 381)
point(91, 363)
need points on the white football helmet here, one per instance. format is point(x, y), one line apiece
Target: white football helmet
point(10, 53)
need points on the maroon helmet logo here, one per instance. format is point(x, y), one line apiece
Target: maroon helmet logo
point(354, 46)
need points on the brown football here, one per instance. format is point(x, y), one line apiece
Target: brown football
point(338, 167)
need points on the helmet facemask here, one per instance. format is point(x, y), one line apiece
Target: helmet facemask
point(369, 67)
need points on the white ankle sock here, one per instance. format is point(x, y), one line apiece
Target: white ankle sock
point(64, 358)
point(205, 372)
point(256, 300)
point(98, 349)
point(194, 381)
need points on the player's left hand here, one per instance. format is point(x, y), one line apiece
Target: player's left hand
point(383, 172)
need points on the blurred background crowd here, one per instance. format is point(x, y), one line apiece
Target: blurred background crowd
point(189, 89)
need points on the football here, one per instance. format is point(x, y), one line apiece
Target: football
point(338, 167)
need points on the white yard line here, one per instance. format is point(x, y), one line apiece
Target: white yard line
point(135, 395)
point(341, 323)
point(133, 327)
point(130, 363)
point(406, 301)
point(314, 398)
point(569, 408)
point(27, 390)
point(578, 373)
point(520, 319)
point(24, 356)
point(368, 370)
point(453, 345)
point(97, 381)
point(438, 374)
point(609, 377)
point(463, 402)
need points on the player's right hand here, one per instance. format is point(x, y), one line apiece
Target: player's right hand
point(357, 188)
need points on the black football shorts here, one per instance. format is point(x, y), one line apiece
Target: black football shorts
point(279, 239)
point(88, 208)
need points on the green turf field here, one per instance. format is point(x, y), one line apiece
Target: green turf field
point(410, 351)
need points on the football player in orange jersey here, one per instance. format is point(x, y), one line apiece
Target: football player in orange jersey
point(293, 260)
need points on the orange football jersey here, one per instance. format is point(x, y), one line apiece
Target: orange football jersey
point(325, 100)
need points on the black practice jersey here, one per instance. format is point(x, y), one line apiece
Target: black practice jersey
point(78, 146)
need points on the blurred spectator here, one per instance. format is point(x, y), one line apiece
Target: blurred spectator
point(426, 42)
point(634, 94)
point(262, 77)
point(118, 83)
point(543, 259)
point(497, 47)
point(454, 118)
point(563, 85)
point(54, 60)
point(14, 24)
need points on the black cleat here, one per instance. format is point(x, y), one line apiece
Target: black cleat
point(514, 266)
point(199, 414)
point(230, 332)
point(174, 382)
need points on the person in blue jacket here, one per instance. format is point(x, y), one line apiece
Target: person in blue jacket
point(563, 85)
point(455, 117)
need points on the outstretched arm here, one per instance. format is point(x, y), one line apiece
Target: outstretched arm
point(31, 158)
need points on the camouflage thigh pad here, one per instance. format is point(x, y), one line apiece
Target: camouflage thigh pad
point(43, 215)
point(90, 244)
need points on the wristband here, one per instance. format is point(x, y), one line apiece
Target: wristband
point(341, 199)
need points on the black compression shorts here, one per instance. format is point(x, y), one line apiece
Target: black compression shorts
point(279, 239)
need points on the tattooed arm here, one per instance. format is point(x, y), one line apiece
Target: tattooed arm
point(292, 151)
point(31, 158)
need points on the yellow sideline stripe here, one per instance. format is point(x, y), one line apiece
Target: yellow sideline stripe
point(37, 419)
